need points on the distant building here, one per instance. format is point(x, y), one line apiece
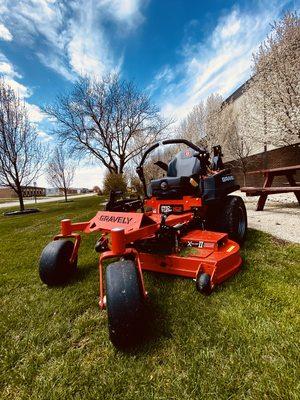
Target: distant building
point(31, 191)
point(6, 192)
point(84, 190)
point(27, 191)
point(69, 191)
point(52, 192)
point(60, 191)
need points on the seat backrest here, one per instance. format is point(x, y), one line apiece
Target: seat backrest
point(184, 164)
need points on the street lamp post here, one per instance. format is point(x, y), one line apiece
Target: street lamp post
point(34, 184)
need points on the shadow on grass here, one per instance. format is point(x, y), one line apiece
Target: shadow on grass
point(80, 275)
point(18, 212)
point(156, 324)
point(152, 327)
point(84, 273)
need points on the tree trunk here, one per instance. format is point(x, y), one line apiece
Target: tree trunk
point(244, 174)
point(66, 197)
point(20, 196)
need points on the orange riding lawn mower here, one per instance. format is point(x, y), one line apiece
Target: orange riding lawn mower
point(186, 225)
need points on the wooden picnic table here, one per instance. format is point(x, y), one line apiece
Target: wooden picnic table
point(267, 187)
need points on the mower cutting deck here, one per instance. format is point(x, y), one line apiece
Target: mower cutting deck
point(187, 225)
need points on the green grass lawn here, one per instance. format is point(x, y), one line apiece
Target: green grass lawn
point(242, 342)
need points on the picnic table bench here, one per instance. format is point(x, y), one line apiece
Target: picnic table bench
point(267, 187)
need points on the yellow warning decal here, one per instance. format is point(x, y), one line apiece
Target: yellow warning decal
point(230, 249)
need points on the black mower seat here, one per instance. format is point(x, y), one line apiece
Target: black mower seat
point(184, 164)
point(177, 182)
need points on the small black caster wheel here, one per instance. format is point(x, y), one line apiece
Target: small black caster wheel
point(101, 245)
point(55, 267)
point(203, 284)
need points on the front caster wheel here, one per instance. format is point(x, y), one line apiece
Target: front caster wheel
point(55, 267)
point(124, 302)
point(203, 284)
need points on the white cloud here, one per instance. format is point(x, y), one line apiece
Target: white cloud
point(44, 136)
point(18, 87)
point(230, 26)
point(5, 33)
point(124, 9)
point(43, 17)
point(8, 72)
point(73, 32)
point(6, 68)
point(221, 62)
point(85, 177)
point(55, 62)
point(87, 48)
point(35, 114)
point(89, 176)
point(164, 76)
point(127, 11)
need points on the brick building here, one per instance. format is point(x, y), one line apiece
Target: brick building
point(28, 191)
point(262, 156)
point(276, 158)
point(6, 192)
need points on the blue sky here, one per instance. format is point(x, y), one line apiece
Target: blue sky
point(180, 51)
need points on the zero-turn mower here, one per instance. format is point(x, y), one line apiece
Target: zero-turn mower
point(186, 225)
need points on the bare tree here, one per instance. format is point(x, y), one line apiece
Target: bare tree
point(60, 171)
point(109, 119)
point(240, 149)
point(204, 125)
point(276, 81)
point(21, 154)
point(193, 126)
point(151, 170)
point(221, 123)
point(214, 124)
point(238, 144)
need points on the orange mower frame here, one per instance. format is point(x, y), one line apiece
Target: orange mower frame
point(193, 235)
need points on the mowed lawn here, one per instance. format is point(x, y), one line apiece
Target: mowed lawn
point(242, 342)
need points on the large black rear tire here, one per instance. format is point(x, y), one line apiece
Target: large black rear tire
point(55, 267)
point(231, 217)
point(124, 303)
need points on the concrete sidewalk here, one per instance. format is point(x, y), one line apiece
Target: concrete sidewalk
point(280, 217)
point(44, 200)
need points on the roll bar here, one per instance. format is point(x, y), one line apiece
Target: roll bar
point(140, 170)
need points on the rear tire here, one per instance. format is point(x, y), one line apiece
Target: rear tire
point(55, 267)
point(231, 218)
point(124, 303)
